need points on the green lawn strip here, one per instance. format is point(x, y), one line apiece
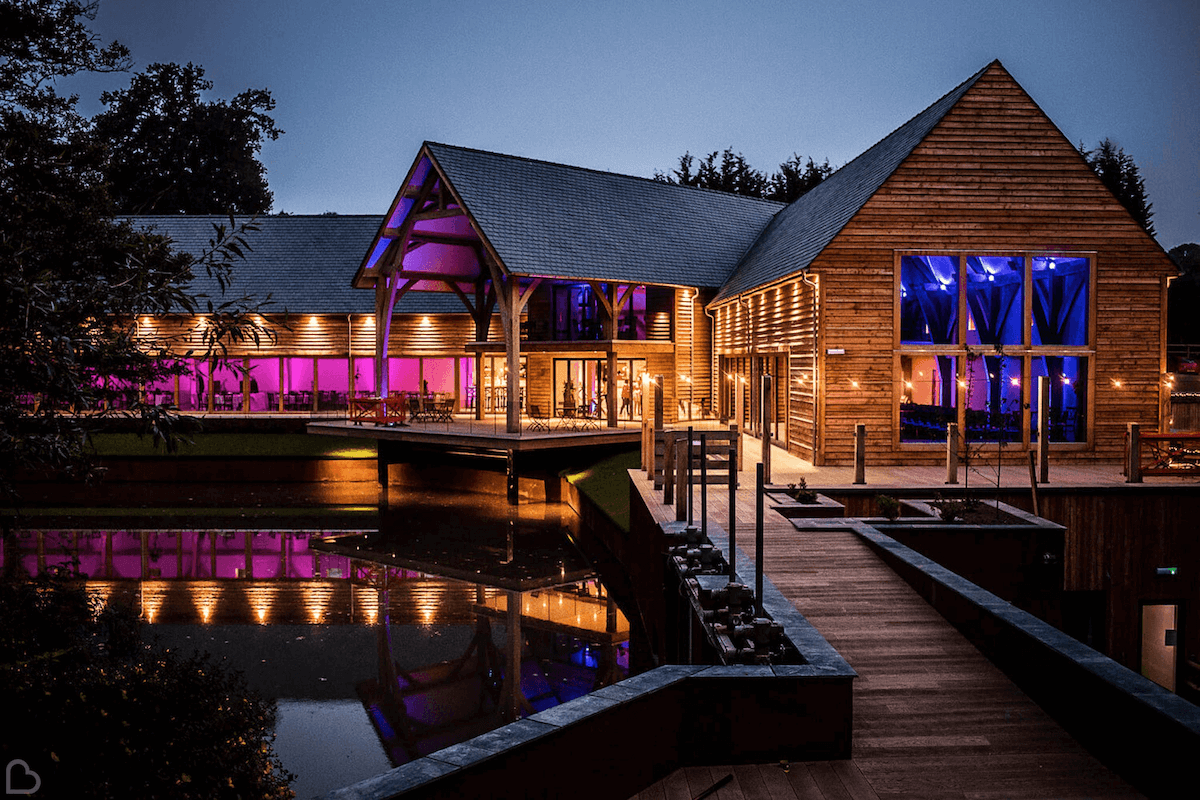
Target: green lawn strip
point(224, 445)
point(606, 483)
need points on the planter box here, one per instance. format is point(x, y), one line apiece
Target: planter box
point(822, 508)
point(1019, 558)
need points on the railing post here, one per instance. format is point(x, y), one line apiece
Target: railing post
point(1043, 448)
point(1134, 453)
point(704, 485)
point(680, 480)
point(758, 541)
point(691, 517)
point(766, 402)
point(733, 470)
point(668, 470)
point(952, 452)
point(860, 453)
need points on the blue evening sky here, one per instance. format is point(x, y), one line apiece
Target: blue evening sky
point(629, 86)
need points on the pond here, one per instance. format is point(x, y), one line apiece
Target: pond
point(378, 644)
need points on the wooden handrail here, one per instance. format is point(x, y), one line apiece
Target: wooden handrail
point(1166, 453)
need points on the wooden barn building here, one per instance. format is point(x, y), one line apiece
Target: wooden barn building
point(932, 280)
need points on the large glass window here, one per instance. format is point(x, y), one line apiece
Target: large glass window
point(995, 300)
point(1019, 316)
point(1067, 376)
point(1060, 301)
point(929, 399)
point(929, 300)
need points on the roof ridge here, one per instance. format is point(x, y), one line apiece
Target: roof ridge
point(609, 173)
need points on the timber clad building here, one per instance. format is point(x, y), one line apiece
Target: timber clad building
point(932, 280)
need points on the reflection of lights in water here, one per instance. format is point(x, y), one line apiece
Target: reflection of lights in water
point(153, 593)
point(366, 599)
point(260, 597)
point(316, 600)
point(98, 594)
point(206, 595)
point(426, 598)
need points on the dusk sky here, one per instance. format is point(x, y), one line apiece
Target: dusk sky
point(629, 86)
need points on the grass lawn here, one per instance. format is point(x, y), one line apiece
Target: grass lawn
point(224, 445)
point(606, 483)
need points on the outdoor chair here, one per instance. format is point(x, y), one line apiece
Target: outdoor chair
point(538, 420)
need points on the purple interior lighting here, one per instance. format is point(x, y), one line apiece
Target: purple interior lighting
point(1068, 378)
point(1060, 300)
point(995, 292)
point(929, 300)
point(404, 374)
point(364, 375)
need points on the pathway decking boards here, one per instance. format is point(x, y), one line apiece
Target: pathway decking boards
point(933, 718)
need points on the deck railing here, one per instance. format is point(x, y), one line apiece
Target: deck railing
point(1160, 454)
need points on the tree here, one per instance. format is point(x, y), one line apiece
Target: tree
point(731, 173)
point(104, 715)
point(171, 152)
point(1187, 258)
point(72, 279)
point(1120, 174)
point(796, 178)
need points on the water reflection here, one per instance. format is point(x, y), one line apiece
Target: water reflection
point(457, 614)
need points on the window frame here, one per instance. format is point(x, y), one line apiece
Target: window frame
point(1025, 352)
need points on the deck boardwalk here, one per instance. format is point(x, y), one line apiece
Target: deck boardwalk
point(933, 718)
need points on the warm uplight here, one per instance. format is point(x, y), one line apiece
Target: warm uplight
point(206, 596)
point(908, 385)
point(1015, 381)
point(962, 383)
point(1066, 381)
point(854, 383)
point(1116, 383)
point(313, 321)
point(425, 322)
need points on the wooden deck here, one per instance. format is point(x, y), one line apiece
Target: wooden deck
point(933, 718)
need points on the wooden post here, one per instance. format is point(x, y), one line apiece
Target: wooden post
point(1134, 453)
point(1043, 448)
point(668, 471)
point(610, 390)
point(704, 486)
point(250, 556)
point(1033, 483)
point(681, 506)
point(860, 453)
point(737, 436)
point(691, 482)
point(658, 402)
point(758, 540)
point(511, 478)
point(952, 452)
point(766, 396)
point(733, 472)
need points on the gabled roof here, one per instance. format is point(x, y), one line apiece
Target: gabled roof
point(301, 261)
point(554, 220)
point(801, 231)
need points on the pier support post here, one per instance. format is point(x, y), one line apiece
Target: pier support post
point(758, 541)
point(512, 479)
point(733, 472)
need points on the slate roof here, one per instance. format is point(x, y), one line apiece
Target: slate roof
point(302, 261)
point(560, 221)
point(801, 231)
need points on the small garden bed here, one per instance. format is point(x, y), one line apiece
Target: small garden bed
point(797, 501)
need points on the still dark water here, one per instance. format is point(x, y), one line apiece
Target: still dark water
point(379, 642)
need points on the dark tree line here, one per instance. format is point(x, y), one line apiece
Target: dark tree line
point(728, 172)
point(1117, 170)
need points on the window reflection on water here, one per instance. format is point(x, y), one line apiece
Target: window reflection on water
point(299, 612)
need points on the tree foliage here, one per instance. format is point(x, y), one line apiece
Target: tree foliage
point(73, 281)
point(97, 713)
point(1120, 174)
point(172, 152)
point(728, 171)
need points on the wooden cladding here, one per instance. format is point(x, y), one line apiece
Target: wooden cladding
point(994, 176)
point(331, 335)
